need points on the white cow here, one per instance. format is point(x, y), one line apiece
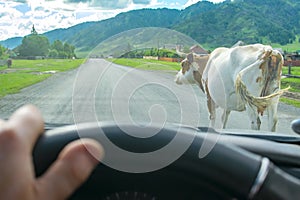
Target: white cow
point(242, 78)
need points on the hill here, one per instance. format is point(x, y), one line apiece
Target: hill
point(11, 43)
point(123, 22)
point(251, 21)
point(212, 25)
point(141, 38)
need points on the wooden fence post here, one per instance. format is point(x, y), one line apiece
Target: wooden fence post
point(9, 63)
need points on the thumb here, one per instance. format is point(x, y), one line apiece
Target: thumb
point(70, 170)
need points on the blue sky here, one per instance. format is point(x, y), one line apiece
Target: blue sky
point(17, 17)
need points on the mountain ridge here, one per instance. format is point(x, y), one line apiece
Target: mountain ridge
point(213, 25)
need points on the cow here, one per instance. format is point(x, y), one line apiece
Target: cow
point(192, 68)
point(238, 79)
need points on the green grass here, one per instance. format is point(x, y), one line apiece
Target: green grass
point(12, 83)
point(46, 65)
point(294, 70)
point(294, 83)
point(24, 73)
point(290, 102)
point(147, 64)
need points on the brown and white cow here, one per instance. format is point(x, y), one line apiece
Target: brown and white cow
point(191, 71)
point(238, 79)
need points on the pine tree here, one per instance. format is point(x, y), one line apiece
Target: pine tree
point(33, 31)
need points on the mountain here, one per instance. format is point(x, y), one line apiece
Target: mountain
point(268, 21)
point(102, 30)
point(211, 25)
point(11, 43)
point(140, 39)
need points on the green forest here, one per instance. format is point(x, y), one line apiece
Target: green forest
point(150, 52)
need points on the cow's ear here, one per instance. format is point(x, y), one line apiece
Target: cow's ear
point(190, 57)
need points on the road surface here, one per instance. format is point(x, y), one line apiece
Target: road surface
point(102, 91)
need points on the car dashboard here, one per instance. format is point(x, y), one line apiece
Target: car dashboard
point(213, 173)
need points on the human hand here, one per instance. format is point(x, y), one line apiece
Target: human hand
point(17, 138)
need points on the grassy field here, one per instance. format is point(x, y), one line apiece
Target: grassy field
point(24, 73)
point(293, 82)
point(290, 102)
point(58, 65)
point(291, 47)
point(147, 64)
point(294, 70)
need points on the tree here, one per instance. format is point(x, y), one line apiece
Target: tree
point(33, 31)
point(2, 51)
point(69, 50)
point(34, 45)
point(57, 45)
point(61, 50)
point(53, 53)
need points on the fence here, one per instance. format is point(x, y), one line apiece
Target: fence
point(291, 63)
point(163, 58)
point(170, 59)
point(289, 74)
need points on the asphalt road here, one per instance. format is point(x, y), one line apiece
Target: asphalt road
point(101, 91)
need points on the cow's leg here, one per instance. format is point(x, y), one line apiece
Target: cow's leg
point(253, 116)
point(225, 117)
point(272, 114)
point(258, 122)
point(211, 105)
point(212, 111)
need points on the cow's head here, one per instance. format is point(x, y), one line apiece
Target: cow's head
point(185, 75)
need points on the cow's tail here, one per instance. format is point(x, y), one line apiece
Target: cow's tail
point(260, 102)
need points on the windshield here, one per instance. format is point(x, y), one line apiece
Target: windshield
point(153, 62)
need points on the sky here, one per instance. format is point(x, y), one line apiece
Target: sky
point(18, 16)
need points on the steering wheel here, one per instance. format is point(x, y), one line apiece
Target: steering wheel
point(226, 172)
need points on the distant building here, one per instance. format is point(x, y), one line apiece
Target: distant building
point(198, 50)
point(291, 59)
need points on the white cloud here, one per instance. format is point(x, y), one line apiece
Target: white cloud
point(191, 2)
point(43, 14)
point(17, 17)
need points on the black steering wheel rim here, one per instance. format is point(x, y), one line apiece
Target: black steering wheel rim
point(226, 167)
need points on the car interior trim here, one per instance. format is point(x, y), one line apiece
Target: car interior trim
point(260, 178)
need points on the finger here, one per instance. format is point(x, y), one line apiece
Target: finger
point(73, 167)
point(14, 158)
point(17, 136)
point(28, 123)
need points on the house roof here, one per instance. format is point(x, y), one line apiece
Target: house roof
point(198, 50)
